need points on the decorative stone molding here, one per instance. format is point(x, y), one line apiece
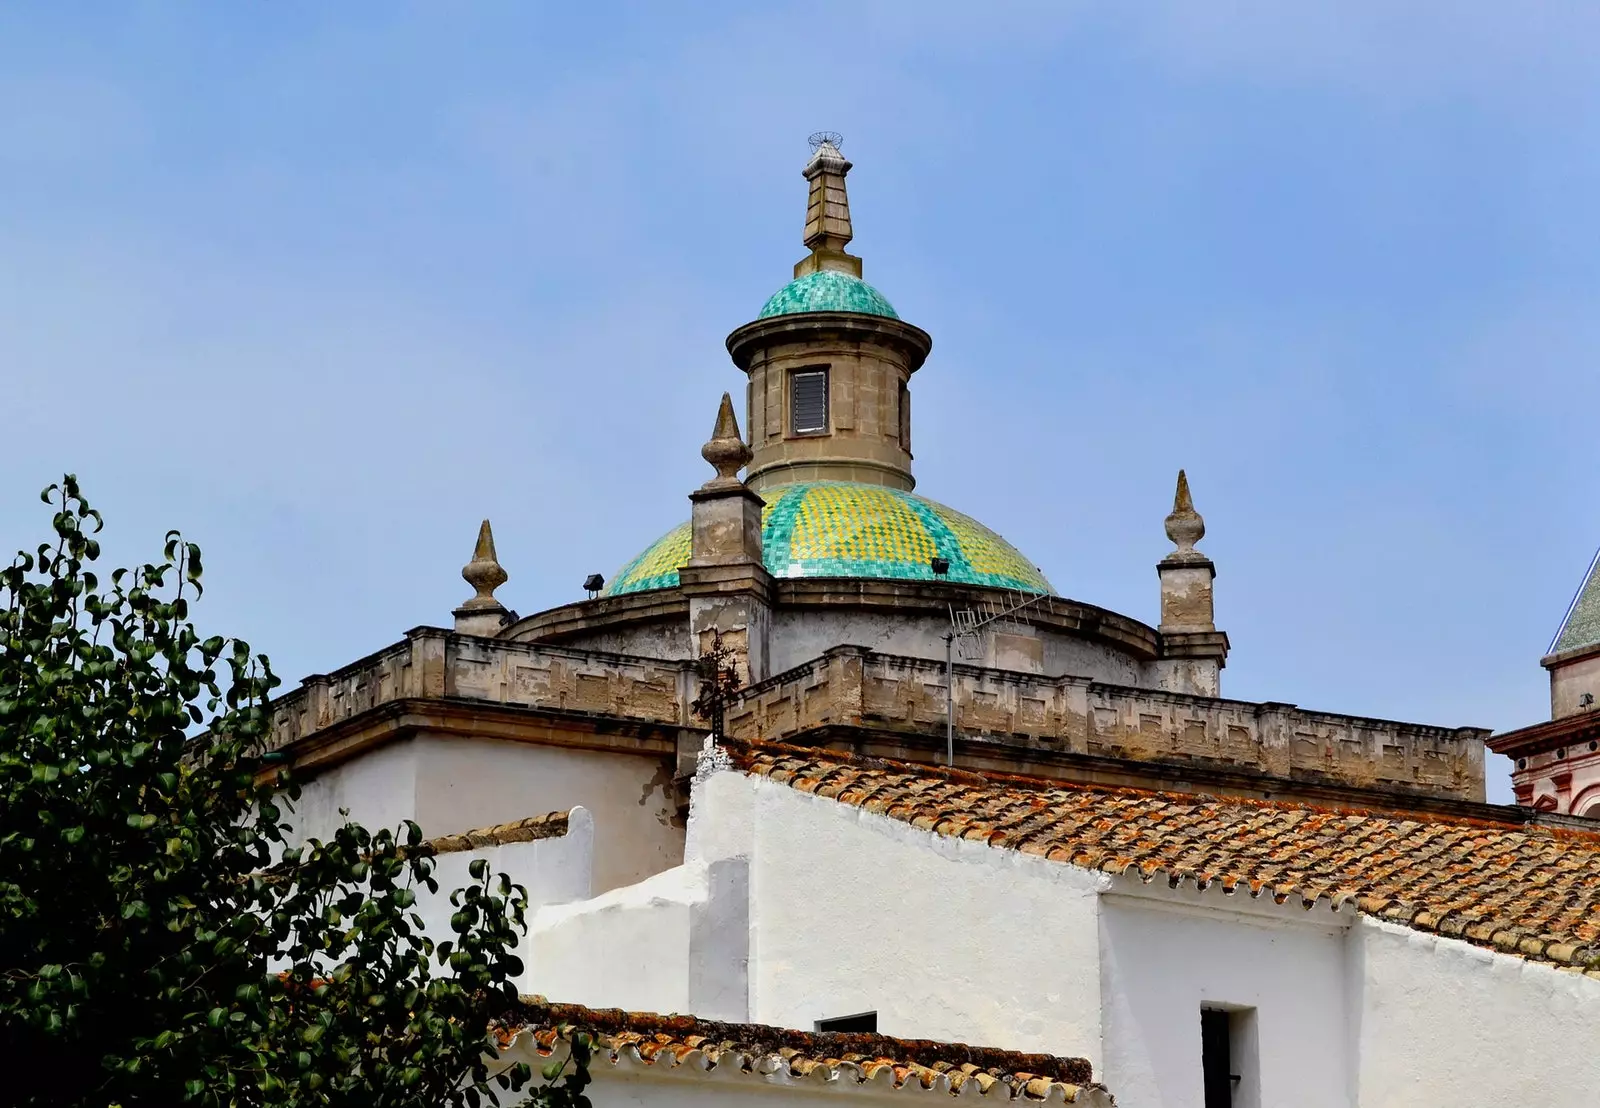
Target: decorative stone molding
point(433, 664)
point(853, 688)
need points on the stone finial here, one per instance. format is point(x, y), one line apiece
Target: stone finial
point(726, 449)
point(484, 573)
point(1185, 527)
point(828, 230)
point(1193, 651)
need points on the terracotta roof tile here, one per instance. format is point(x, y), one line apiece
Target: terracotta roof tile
point(552, 825)
point(1530, 891)
point(848, 1058)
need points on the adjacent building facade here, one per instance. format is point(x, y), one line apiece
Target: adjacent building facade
point(833, 759)
point(1557, 764)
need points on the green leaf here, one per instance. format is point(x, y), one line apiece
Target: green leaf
point(130, 746)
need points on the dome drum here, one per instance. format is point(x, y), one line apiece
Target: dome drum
point(888, 615)
point(865, 364)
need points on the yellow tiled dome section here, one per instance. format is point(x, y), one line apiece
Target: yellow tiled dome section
point(839, 529)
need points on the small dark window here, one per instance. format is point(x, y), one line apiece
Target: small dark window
point(808, 401)
point(866, 1021)
point(1228, 1051)
point(1216, 1059)
point(905, 418)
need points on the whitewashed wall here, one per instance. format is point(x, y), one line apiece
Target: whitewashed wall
point(1166, 953)
point(675, 943)
point(944, 939)
point(449, 785)
point(379, 789)
point(1443, 1022)
point(553, 871)
point(814, 909)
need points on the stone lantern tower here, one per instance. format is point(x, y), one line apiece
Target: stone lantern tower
point(829, 361)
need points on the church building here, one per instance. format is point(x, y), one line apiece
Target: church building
point(829, 792)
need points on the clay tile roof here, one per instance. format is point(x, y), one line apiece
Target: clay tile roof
point(553, 825)
point(848, 1059)
point(1529, 891)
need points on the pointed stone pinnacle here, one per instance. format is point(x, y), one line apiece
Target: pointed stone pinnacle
point(484, 573)
point(726, 450)
point(1185, 527)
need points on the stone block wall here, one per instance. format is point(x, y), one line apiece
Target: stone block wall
point(849, 686)
point(431, 664)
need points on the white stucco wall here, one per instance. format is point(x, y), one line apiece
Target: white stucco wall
point(1444, 1022)
point(677, 942)
point(1167, 954)
point(464, 784)
point(449, 785)
point(814, 909)
point(553, 871)
point(674, 943)
point(944, 939)
point(379, 789)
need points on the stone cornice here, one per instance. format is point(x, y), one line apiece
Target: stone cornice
point(814, 326)
point(1547, 735)
point(440, 681)
point(1576, 654)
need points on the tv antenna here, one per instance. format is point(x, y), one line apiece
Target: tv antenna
point(968, 627)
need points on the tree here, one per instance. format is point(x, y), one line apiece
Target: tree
point(162, 939)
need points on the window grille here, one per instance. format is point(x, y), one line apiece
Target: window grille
point(808, 401)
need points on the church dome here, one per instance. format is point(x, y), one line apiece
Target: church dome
point(840, 529)
point(827, 291)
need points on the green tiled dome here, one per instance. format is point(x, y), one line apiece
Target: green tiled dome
point(827, 291)
point(837, 529)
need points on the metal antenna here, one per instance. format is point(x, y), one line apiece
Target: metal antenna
point(968, 626)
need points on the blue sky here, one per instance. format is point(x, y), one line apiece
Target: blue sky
point(323, 285)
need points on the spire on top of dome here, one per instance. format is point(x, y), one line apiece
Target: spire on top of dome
point(828, 229)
